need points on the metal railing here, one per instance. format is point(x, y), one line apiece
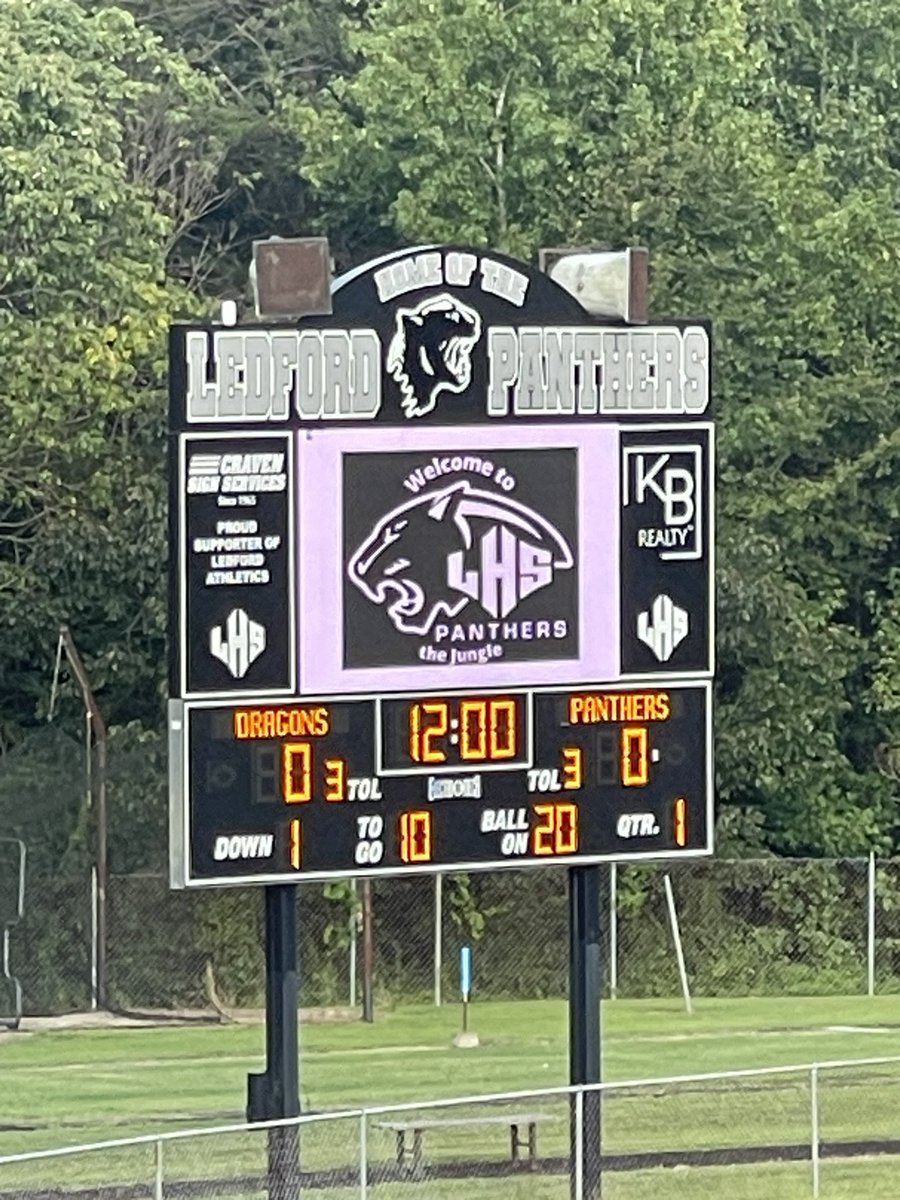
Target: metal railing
point(783, 1128)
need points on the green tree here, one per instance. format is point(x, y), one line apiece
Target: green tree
point(102, 164)
point(522, 125)
point(256, 52)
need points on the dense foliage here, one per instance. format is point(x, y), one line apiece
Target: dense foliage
point(754, 147)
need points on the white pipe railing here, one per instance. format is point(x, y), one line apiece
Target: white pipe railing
point(158, 1180)
point(364, 1114)
point(363, 1156)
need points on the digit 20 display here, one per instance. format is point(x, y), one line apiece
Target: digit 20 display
point(441, 583)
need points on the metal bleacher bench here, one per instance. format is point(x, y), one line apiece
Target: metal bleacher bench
point(409, 1155)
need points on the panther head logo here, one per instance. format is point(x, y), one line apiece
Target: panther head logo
point(437, 553)
point(431, 352)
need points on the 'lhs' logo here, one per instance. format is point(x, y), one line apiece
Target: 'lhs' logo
point(239, 644)
point(663, 627)
point(448, 547)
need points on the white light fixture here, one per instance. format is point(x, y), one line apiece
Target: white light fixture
point(228, 312)
point(607, 283)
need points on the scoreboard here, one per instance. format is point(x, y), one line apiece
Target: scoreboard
point(328, 789)
point(441, 582)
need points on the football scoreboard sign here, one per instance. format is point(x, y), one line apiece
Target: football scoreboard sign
point(441, 582)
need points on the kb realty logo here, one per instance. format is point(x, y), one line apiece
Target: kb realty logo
point(664, 482)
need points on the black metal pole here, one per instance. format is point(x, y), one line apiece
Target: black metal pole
point(276, 1092)
point(584, 1026)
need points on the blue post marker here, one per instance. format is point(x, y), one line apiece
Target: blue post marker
point(465, 982)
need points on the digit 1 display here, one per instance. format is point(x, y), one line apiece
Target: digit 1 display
point(680, 821)
point(296, 836)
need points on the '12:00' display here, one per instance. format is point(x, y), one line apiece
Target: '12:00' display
point(455, 733)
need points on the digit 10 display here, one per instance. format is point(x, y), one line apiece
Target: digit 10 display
point(415, 836)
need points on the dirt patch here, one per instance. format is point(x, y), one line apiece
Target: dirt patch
point(155, 1018)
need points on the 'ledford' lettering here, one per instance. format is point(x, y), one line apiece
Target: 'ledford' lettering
point(261, 376)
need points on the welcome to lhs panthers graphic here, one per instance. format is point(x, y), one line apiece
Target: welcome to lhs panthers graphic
point(454, 546)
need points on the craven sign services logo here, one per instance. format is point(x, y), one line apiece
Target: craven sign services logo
point(431, 352)
point(464, 572)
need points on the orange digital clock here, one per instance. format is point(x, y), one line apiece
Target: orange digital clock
point(455, 733)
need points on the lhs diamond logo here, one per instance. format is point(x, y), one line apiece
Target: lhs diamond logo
point(663, 627)
point(239, 644)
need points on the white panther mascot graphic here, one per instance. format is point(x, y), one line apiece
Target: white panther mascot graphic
point(431, 352)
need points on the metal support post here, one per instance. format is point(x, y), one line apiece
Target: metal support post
point(368, 949)
point(275, 1093)
point(96, 800)
point(870, 927)
point(613, 931)
point(438, 937)
point(584, 1028)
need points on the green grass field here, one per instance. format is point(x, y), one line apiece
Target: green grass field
point(69, 1087)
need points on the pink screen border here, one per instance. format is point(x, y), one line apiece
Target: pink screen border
point(320, 558)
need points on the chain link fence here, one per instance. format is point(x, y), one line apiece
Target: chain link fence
point(770, 927)
point(766, 927)
point(824, 1130)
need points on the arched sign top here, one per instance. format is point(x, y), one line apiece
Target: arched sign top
point(472, 273)
point(444, 335)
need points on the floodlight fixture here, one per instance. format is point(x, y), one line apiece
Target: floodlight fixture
point(291, 277)
point(608, 283)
